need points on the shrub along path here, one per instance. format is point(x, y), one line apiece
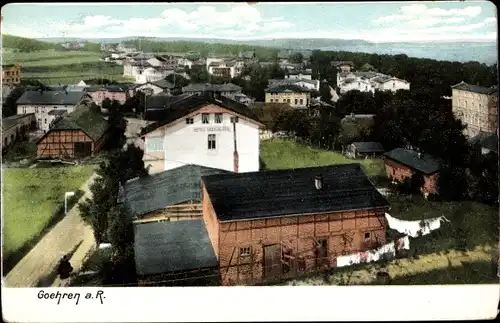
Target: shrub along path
point(70, 236)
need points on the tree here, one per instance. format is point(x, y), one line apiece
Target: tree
point(10, 106)
point(95, 108)
point(106, 104)
point(120, 233)
point(356, 102)
point(116, 127)
point(325, 92)
point(178, 80)
point(296, 58)
point(199, 74)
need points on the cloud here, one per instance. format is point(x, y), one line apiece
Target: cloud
point(490, 20)
point(417, 12)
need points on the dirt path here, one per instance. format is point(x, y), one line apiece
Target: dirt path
point(70, 236)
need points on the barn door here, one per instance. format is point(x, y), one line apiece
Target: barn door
point(83, 149)
point(272, 261)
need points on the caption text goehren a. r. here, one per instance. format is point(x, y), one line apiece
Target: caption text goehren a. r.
point(98, 296)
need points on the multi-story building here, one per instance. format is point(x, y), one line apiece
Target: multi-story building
point(202, 130)
point(296, 96)
point(41, 103)
point(112, 92)
point(11, 74)
point(476, 107)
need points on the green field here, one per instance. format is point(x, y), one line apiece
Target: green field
point(31, 196)
point(65, 67)
point(283, 154)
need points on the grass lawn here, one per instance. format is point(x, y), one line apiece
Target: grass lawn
point(31, 196)
point(283, 154)
point(65, 67)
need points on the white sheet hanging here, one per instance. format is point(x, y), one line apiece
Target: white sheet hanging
point(414, 228)
point(348, 260)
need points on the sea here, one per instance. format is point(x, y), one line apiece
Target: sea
point(486, 53)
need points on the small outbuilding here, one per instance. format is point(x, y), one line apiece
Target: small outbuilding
point(175, 254)
point(79, 134)
point(364, 149)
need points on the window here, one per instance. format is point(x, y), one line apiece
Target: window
point(245, 251)
point(154, 144)
point(234, 119)
point(367, 235)
point(296, 101)
point(211, 141)
point(205, 118)
point(393, 84)
point(218, 118)
point(189, 121)
point(45, 121)
point(284, 100)
point(288, 101)
point(301, 101)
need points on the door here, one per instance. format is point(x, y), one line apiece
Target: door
point(83, 149)
point(272, 262)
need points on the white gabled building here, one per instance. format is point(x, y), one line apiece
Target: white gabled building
point(201, 130)
point(390, 84)
point(369, 82)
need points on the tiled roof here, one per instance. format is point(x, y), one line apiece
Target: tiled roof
point(164, 84)
point(368, 147)
point(282, 88)
point(475, 88)
point(367, 75)
point(177, 107)
point(160, 190)
point(15, 119)
point(51, 97)
point(279, 193)
point(82, 118)
point(338, 63)
point(163, 247)
point(426, 163)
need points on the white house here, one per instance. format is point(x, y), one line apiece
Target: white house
point(204, 131)
point(184, 62)
point(369, 82)
point(299, 75)
point(359, 84)
point(155, 87)
point(41, 103)
point(151, 74)
point(390, 84)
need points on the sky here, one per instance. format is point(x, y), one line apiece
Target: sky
point(371, 21)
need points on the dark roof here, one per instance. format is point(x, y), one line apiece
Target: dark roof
point(426, 163)
point(165, 247)
point(82, 118)
point(56, 112)
point(291, 192)
point(15, 119)
point(178, 108)
point(117, 88)
point(162, 100)
point(51, 97)
point(475, 88)
point(368, 147)
point(287, 88)
point(164, 84)
point(486, 140)
point(160, 190)
point(200, 87)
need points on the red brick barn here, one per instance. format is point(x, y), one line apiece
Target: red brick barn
point(266, 226)
point(401, 164)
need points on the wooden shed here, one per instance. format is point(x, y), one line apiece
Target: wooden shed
point(266, 226)
point(79, 134)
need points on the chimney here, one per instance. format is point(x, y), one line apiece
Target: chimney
point(318, 182)
point(236, 157)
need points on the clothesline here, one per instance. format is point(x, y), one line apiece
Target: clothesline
point(415, 228)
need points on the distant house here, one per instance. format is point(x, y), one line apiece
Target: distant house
point(11, 74)
point(16, 128)
point(305, 83)
point(174, 253)
point(248, 55)
point(119, 93)
point(304, 75)
point(156, 87)
point(343, 66)
point(364, 149)
point(487, 141)
point(369, 82)
point(202, 130)
point(166, 62)
point(122, 48)
point(402, 164)
point(476, 106)
point(42, 102)
point(226, 89)
point(80, 134)
point(272, 225)
point(297, 96)
point(171, 195)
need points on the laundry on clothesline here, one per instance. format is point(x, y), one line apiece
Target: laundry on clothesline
point(387, 252)
point(415, 228)
point(403, 243)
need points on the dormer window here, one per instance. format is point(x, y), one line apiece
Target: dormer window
point(205, 118)
point(218, 118)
